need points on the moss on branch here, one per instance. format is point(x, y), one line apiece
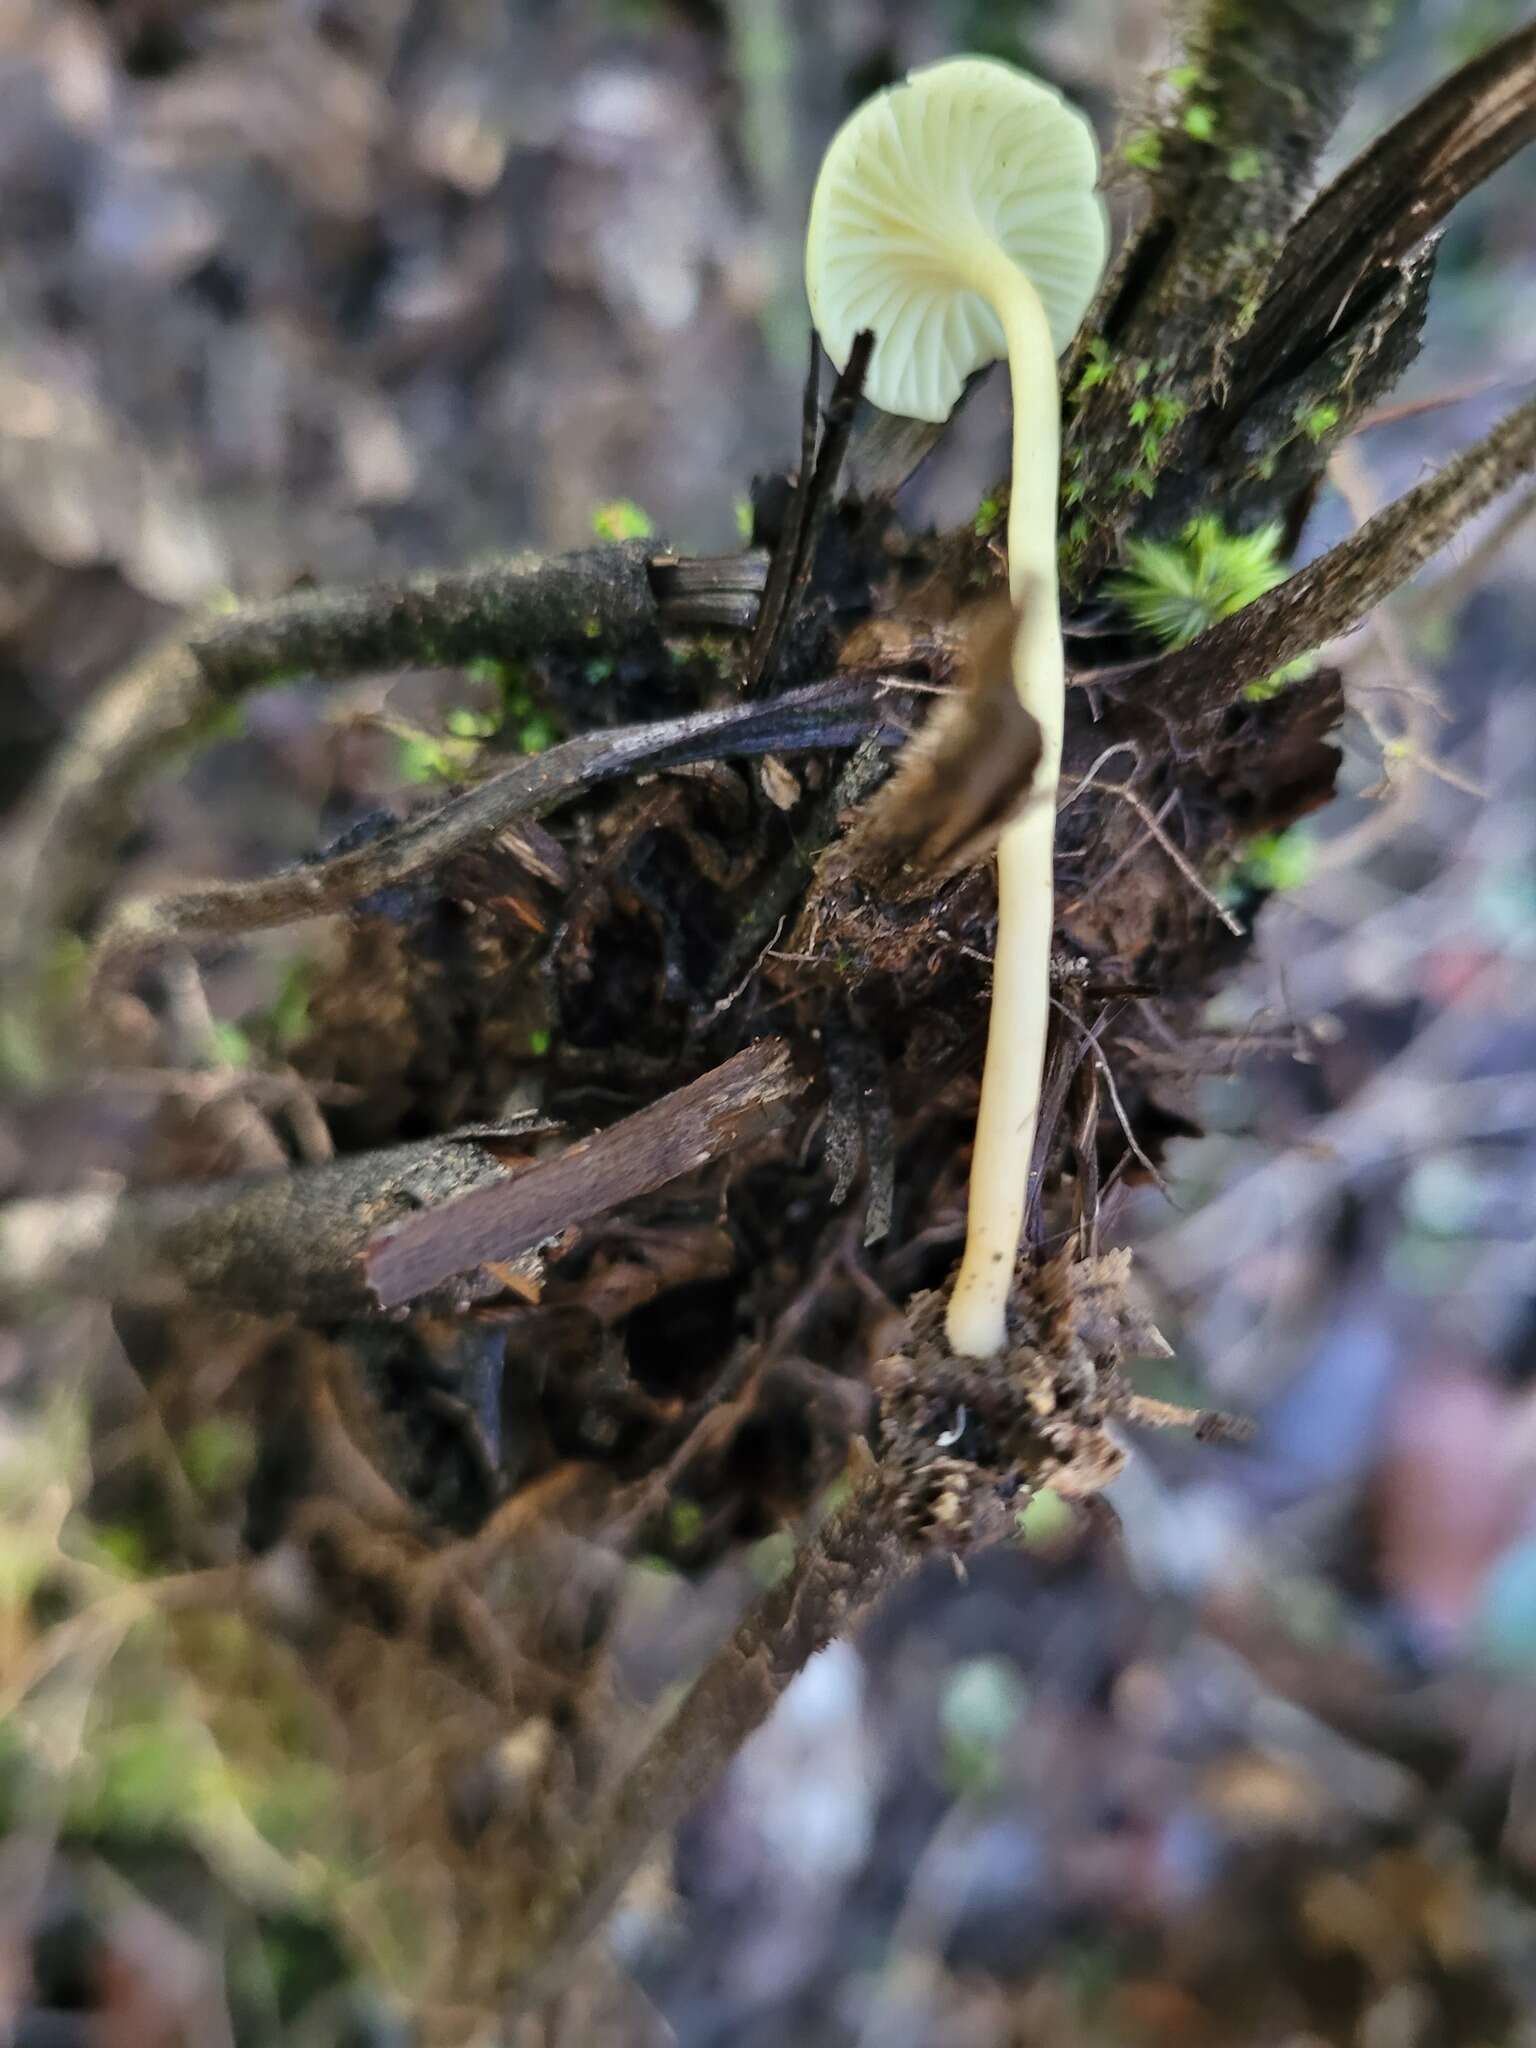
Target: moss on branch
point(1341, 588)
point(1259, 93)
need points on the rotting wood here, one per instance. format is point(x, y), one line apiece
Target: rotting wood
point(298, 1243)
point(1340, 319)
point(1395, 193)
point(734, 1107)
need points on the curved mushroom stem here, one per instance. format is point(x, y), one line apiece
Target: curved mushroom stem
point(1011, 1077)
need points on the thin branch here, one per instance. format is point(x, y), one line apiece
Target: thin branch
point(55, 854)
point(821, 715)
point(1443, 598)
point(1180, 860)
point(852, 1559)
point(1337, 591)
point(528, 605)
point(785, 591)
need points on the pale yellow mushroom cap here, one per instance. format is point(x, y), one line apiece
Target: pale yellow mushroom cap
point(961, 156)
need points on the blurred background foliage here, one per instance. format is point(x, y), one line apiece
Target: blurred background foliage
point(297, 289)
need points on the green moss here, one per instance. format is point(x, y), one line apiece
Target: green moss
point(286, 1021)
point(423, 759)
point(1275, 861)
point(1247, 312)
point(1199, 122)
point(218, 1453)
point(1157, 417)
point(989, 516)
point(1244, 165)
point(1317, 421)
point(530, 726)
point(467, 724)
point(1143, 151)
point(622, 519)
point(1096, 369)
point(1174, 590)
point(1074, 540)
point(232, 1044)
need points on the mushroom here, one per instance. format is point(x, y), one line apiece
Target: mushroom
point(955, 215)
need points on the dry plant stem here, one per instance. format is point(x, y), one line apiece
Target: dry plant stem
point(785, 560)
point(1016, 1033)
point(821, 715)
point(1333, 594)
point(297, 1243)
point(853, 1559)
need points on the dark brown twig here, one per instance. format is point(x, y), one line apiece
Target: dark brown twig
point(785, 563)
point(854, 1557)
point(813, 499)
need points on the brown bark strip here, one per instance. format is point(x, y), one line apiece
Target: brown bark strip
point(710, 593)
point(736, 1105)
point(1333, 594)
point(820, 715)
